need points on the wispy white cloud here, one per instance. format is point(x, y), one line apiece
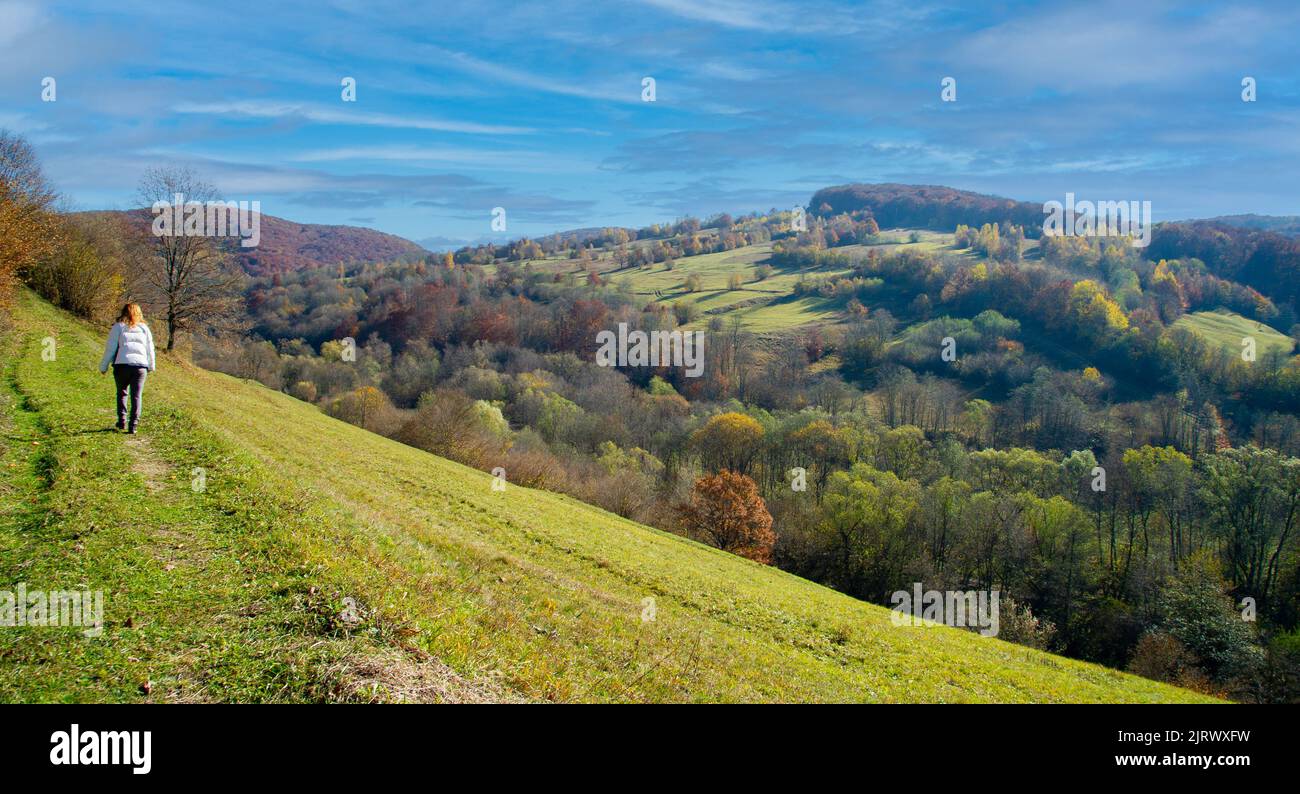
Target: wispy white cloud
point(767, 16)
point(540, 81)
point(726, 70)
point(319, 115)
point(21, 123)
point(1120, 44)
point(487, 159)
point(741, 14)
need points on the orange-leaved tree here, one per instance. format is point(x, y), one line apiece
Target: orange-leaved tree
point(29, 230)
point(726, 511)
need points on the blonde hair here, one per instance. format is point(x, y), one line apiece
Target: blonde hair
point(131, 314)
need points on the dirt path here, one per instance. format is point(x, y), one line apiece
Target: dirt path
point(146, 463)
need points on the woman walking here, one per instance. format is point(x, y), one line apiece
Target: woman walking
point(130, 351)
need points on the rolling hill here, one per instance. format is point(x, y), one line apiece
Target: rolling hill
point(288, 246)
point(251, 548)
point(1288, 225)
point(926, 206)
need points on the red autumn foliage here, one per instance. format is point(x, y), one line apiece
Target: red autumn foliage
point(576, 329)
point(490, 323)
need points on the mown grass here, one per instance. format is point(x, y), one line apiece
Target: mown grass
point(789, 312)
point(1226, 330)
point(512, 594)
point(714, 297)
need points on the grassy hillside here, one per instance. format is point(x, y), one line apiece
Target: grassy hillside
point(1226, 329)
point(236, 590)
point(766, 306)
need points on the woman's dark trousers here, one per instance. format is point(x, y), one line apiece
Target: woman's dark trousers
point(130, 380)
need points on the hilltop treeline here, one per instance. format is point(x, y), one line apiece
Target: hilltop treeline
point(651, 244)
point(1264, 260)
point(926, 206)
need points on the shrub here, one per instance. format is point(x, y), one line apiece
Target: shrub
point(1161, 657)
point(535, 468)
point(304, 390)
point(367, 408)
point(1018, 624)
point(450, 424)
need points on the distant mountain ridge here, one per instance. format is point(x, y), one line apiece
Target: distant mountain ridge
point(288, 246)
point(1288, 225)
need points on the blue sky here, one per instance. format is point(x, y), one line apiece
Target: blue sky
point(537, 107)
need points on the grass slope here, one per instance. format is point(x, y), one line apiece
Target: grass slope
point(236, 591)
point(1226, 329)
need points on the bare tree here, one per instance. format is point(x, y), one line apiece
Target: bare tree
point(186, 276)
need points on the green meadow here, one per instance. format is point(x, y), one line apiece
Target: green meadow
point(1226, 329)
